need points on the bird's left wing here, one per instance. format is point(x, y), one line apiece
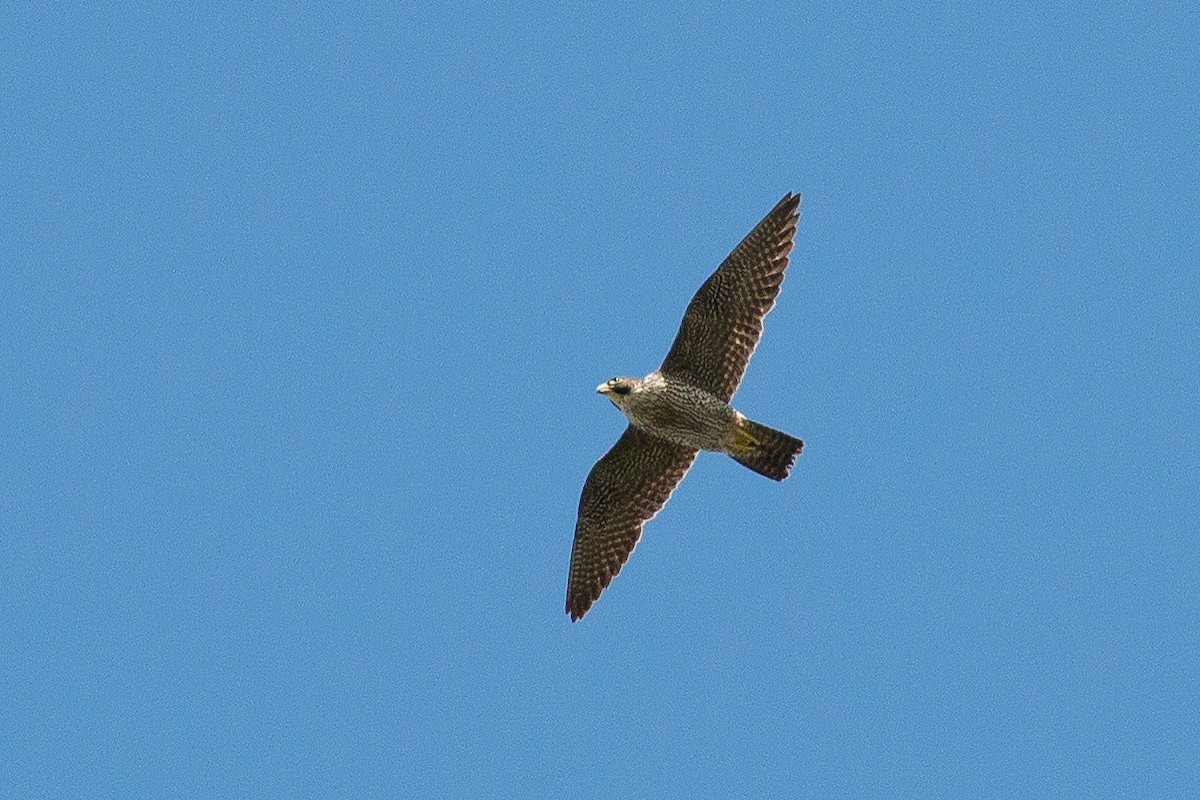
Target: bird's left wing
point(625, 488)
point(724, 320)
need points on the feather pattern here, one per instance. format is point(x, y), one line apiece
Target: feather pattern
point(724, 320)
point(625, 488)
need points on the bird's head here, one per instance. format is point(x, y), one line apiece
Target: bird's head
point(617, 389)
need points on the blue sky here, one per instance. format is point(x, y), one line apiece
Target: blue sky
point(302, 309)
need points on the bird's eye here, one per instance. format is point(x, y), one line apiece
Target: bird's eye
point(620, 388)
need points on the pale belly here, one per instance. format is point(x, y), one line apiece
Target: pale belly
point(703, 422)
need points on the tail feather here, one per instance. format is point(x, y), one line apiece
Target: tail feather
point(765, 450)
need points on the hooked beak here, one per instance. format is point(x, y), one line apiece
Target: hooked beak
point(603, 388)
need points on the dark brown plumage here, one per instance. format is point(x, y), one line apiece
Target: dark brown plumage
point(626, 487)
point(683, 407)
point(724, 321)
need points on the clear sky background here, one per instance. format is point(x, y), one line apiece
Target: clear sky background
point(302, 310)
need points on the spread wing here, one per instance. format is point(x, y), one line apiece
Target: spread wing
point(625, 488)
point(723, 322)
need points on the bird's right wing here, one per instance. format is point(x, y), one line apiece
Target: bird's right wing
point(625, 488)
point(723, 322)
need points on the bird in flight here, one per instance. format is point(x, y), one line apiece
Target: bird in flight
point(683, 407)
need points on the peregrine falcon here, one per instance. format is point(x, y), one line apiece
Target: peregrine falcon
point(683, 407)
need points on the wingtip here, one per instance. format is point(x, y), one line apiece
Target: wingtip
point(790, 203)
point(578, 602)
point(575, 612)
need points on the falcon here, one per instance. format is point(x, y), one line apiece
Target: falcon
point(683, 407)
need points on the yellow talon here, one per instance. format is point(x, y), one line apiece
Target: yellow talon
point(743, 439)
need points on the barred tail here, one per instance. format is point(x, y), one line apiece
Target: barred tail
point(765, 450)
